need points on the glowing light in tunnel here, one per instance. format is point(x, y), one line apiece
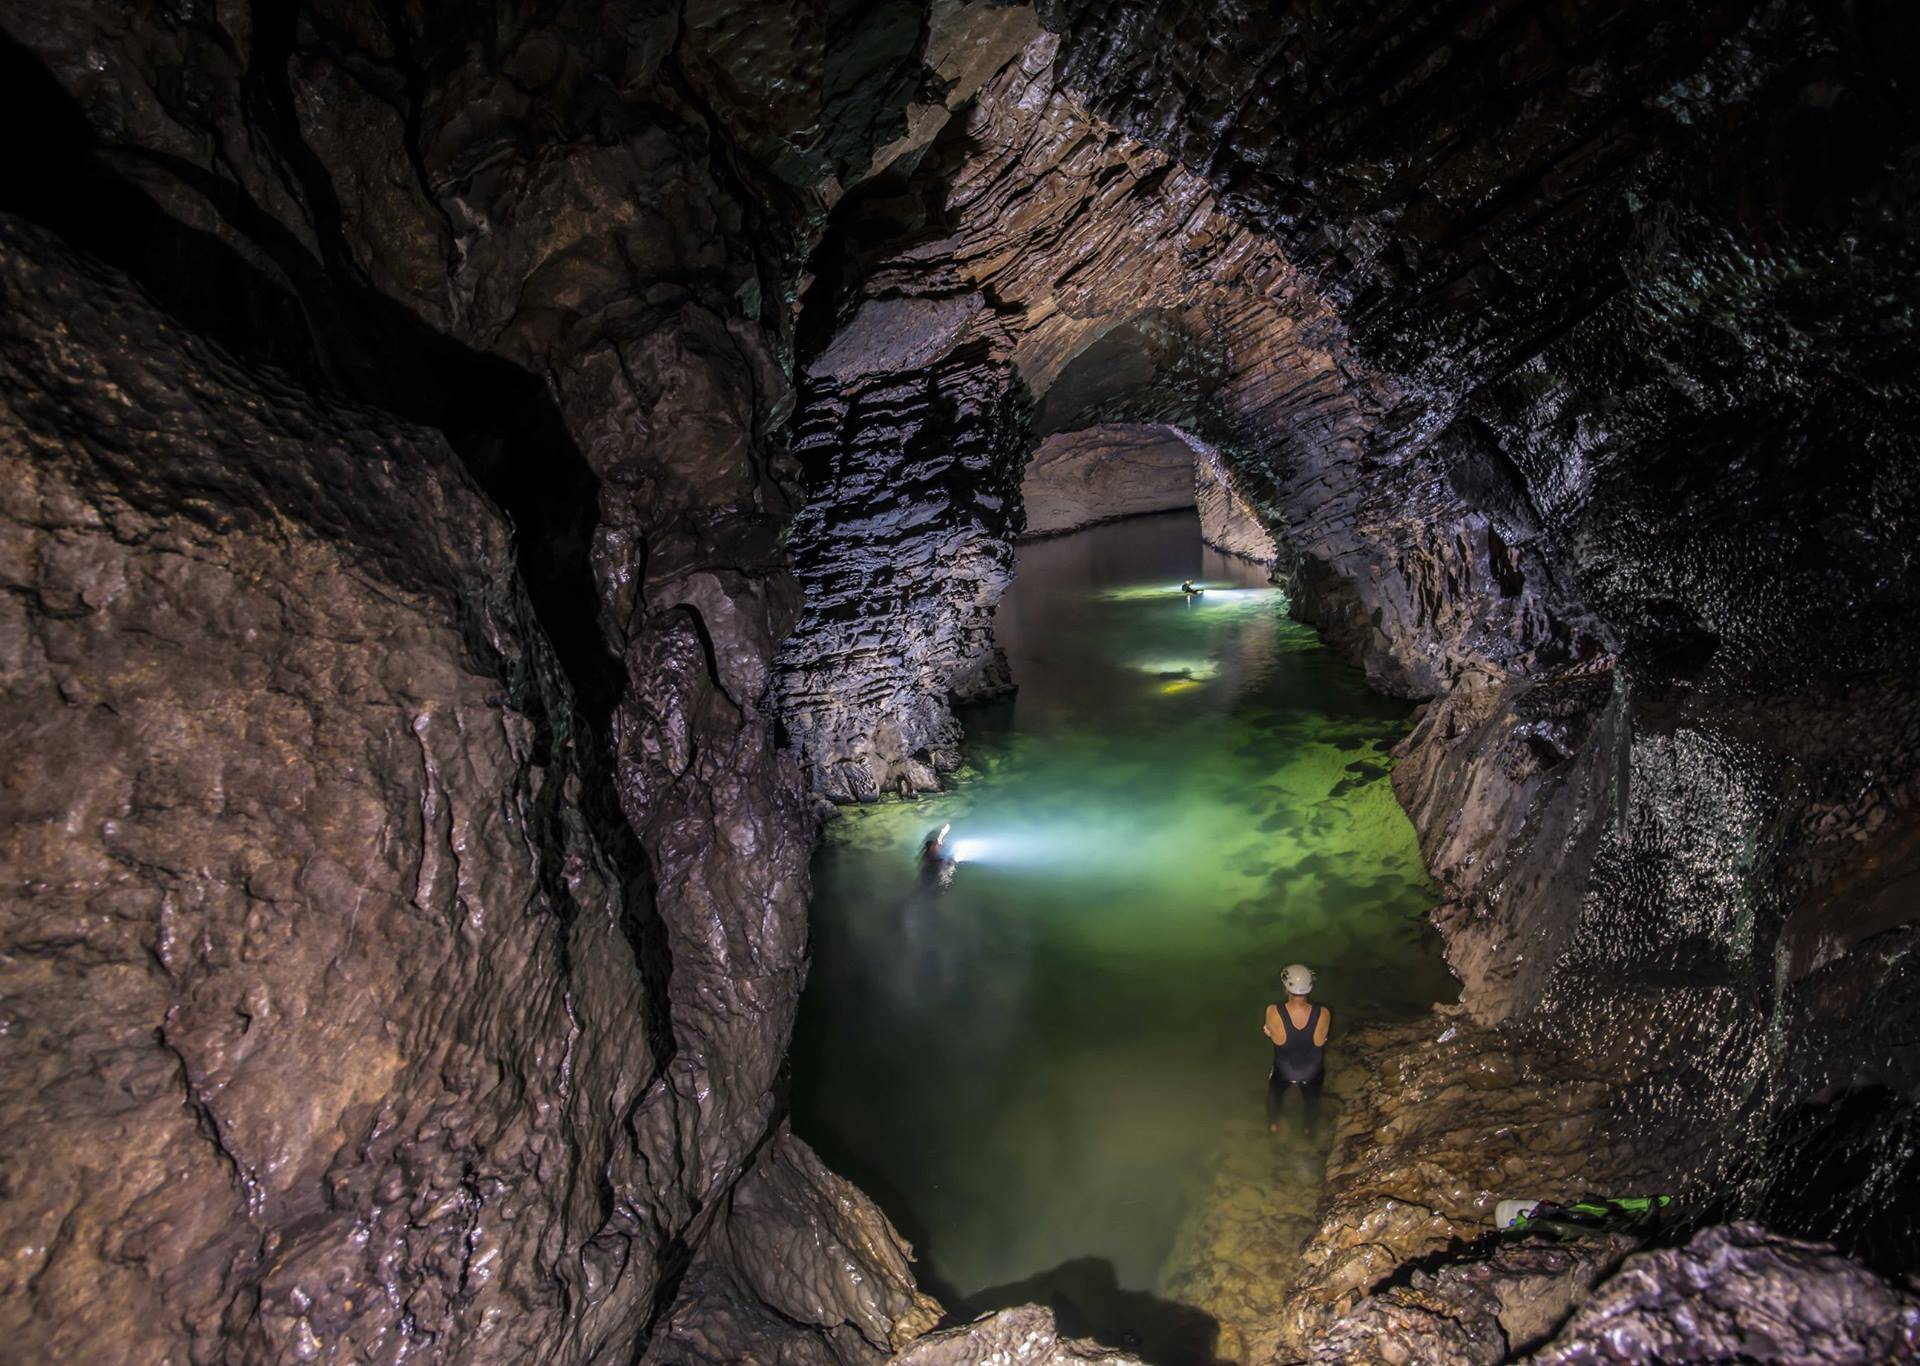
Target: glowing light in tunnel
point(1191, 670)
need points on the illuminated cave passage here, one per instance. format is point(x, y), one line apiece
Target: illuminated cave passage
point(481, 481)
point(1043, 1061)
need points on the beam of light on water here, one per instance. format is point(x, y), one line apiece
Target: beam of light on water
point(1033, 1063)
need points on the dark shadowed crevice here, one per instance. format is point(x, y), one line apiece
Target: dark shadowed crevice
point(322, 322)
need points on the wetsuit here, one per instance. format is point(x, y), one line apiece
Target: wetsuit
point(1298, 1061)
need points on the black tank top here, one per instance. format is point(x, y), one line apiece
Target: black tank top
point(1299, 1058)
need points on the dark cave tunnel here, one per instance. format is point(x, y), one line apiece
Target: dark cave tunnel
point(486, 482)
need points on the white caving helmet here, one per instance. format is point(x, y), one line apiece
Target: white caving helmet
point(1297, 978)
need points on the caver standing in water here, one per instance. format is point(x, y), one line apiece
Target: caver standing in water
point(1299, 1031)
point(936, 860)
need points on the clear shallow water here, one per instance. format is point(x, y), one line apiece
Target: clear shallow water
point(1034, 1065)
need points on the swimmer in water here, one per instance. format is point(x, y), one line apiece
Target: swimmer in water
point(1188, 588)
point(936, 861)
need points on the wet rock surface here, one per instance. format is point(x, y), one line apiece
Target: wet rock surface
point(1393, 1259)
point(1482, 1309)
point(1737, 1292)
point(1534, 237)
point(808, 1270)
point(1075, 479)
point(1025, 1334)
point(292, 748)
point(1436, 1122)
point(406, 865)
point(567, 244)
point(1083, 280)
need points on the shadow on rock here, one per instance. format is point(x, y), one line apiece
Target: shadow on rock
point(1087, 1302)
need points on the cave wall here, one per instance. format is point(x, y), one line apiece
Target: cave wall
point(1624, 294)
point(1104, 472)
point(439, 891)
point(1101, 282)
point(1564, 355)
point(290, 746)
point(1611, 273)
point(1565, 358)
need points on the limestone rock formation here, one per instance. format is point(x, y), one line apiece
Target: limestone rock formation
point(1437, 1121)
point(807, 1269)
point(1732, 1293)
point(1082, 279)
point(1530, 259)
point(1113, 469)
point(406, 846)
point(1480, 1309)
point(569, 245)
point(1026, 1336)
point(305, 909)
point(901, 569)
point(1737, 1292)
point(1228, 520)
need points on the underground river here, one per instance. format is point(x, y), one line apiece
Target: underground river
point(1033, 1067)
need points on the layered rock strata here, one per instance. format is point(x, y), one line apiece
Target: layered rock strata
point(1621, 303)
point(1537, 234)
point(1228, 519)
point(1097, 474)
point(901, 567)
point(1106, 285)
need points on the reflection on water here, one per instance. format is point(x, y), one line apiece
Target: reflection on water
point(1032, 1065)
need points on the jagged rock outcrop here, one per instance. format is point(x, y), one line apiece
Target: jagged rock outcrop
point(1732, 1293)
point(1480, 1308)
point(570, 245)
point(808, 1269)
point(305, 912)
point(1737, 1292)
point(1012, 1336)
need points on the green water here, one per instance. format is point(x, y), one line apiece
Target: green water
point(1034, 1065)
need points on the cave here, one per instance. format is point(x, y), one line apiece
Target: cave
point(517, 514)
